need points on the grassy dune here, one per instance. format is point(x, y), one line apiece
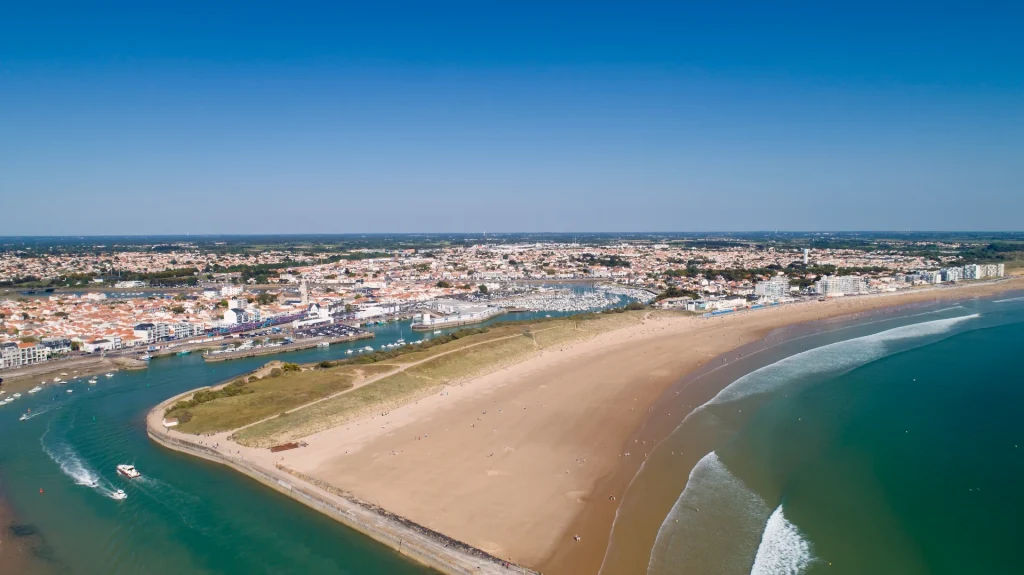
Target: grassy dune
point(399, 380)
point(468, 358)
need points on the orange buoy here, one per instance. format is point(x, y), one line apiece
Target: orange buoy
point(40, 490)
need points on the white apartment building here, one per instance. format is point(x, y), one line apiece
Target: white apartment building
point(841, 285)
point(775, 288)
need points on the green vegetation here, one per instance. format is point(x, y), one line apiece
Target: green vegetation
point(430, 369)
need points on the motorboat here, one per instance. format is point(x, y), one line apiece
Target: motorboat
point(348, 351)
point(93, 380)
point(109, 375)
point(145, 357)
point(24, 417)
point(35, 389)
point(16, 395)
point(119, 495)
point(71, 391)
point(128, 471)
point(324, 344)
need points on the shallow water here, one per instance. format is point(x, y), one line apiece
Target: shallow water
point(882, 447)
point(185, 515)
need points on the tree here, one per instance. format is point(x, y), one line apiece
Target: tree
point(76, 345)
point(178, 309)
point(222, 303)
point(482, 288)
point(443, 284)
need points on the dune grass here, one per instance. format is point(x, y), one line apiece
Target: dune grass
point(264, 398)
point(489, 352)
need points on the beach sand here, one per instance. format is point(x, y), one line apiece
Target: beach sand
point(519, 461)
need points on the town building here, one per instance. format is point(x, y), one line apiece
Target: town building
point(830, 286)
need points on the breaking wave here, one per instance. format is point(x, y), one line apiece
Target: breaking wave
point(783, 549)
point(1008, 299)
point(831, 358)
point(722, 525)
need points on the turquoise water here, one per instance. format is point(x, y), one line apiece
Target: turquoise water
point(185, 516)
point(895, 446)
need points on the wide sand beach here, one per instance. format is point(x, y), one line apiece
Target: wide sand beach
point(520, 461)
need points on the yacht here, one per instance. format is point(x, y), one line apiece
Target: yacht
point(128, 471)
point(119, 495)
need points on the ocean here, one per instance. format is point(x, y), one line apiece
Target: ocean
point(184, 516)
point(889, 444)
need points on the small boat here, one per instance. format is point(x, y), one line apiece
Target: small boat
point(109, 375)
point(35, 389)
point(64, 374)
point(93, 380)
point(185, 352)
point(71, 391)
point(368, 348)
point(437, 331)
point(56, 379)
point(119, 495)
point(24, 417)
point(145, 357)
point(348, 351)
point(16, 395)
point(324, 344)
point(128, 471)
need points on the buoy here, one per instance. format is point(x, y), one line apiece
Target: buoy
point(40, 490)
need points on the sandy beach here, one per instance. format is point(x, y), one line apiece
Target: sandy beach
point(519, 461)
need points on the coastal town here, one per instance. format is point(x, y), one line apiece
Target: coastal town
point(80, 302)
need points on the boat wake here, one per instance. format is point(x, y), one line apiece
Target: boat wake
point(73, 466)
point(184, 504)
point(1008, 299)
point(721, 526)
point(39, 411)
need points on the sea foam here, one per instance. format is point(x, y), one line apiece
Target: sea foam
point(832, 358)
point(783, 549)
point(725, 527)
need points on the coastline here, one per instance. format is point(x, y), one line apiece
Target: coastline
point(419, 543)
point(529, 509)
point(24, 378)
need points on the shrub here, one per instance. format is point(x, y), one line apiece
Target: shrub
point(291, 367)
point(325, 365)
point(276, 372)
point(184, 416)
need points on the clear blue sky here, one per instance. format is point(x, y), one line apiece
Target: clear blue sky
point(434, 115)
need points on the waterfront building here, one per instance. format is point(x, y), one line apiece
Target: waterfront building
point(841, 285)
point(952, 274)
point(775, 288)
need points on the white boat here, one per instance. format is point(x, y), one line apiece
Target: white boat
point(63, 373)
point(119, 495)
point(437, 331)
point(368, 348)
point(56, 379)
point(24, 417)
point(109, 375)
point(348, 351)
point(324, 344)
point(93, 380)
point(16, 395)
point(71, 391)
point(35, 389)
point(128, 471)
point(145, 357)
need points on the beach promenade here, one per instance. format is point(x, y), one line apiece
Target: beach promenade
point(527, 463)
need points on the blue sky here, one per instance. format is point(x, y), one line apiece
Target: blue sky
point(470, 116)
